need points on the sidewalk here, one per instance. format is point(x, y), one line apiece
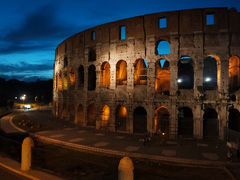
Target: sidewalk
point(15, 166)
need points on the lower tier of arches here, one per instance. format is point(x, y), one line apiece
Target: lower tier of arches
point(170, 120)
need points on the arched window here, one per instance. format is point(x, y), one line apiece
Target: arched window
point(121, 118)
point(121, 73)
point(105, 75)
point(211, 73)
point(72, 76)
point(92, 54)
point(140, 120)
point(161, 121)
point(65, 80)
point(185, 122)
point(210, 123)
point(234, 76)
point(163, 48)
point(81, 76)
point(80, 115)
point(185, 73)
point(91, 115)
point(60, 81)
point(162, 76)
point(91, 78)
point(105, 116)
point(140, 72)
point(65, 63)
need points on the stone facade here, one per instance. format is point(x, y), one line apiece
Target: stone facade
point(131, 104)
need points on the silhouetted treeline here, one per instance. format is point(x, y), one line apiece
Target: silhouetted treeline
point(36, 92)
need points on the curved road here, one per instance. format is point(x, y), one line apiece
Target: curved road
point(8, 175)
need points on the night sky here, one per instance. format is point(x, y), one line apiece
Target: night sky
point(32, 29)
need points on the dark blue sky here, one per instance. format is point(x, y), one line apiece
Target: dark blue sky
point(31, 29)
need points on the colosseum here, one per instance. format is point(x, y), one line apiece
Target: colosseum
point(175, 74)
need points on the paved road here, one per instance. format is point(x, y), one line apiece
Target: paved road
point(7, 175)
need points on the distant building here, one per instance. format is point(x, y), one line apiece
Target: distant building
point(172, 73)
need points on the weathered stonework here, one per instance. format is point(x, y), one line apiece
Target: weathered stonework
point(187, 34)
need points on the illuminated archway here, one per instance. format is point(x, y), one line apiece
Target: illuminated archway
point(234, 76)
point(185, 121)
point(140, 72)
point(162, 76)
point(185, 73)
point(65, 80)
point(105, 75)
point(211, 72)
point(80, 115)
point(105, 116)
point(72, 77)
point(121, 73)
point(121, 118)
point(91, 115)
point(60, 81)
point(140, 120)
point(64, 111)
point(161, 121)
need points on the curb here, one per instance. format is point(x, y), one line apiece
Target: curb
point(18, 172)
point(13, 125)
point(80, 147)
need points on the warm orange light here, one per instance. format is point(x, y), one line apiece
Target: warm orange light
point(105, 75)
point(218, 68)
point(161, 120)
point(233, 72)
point(121, 73)
point(72, 76)
point(162, 81)
point(140, 72)
point(65, 81)
point(60, 81)
point(105, 116)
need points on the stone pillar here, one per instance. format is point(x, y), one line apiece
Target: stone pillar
point(222, 114)
point(26, 154)
point(173, 77)
point(198, 75)
point(125, 169)
point(113, 76)
point(197, 122)
point(173, 121)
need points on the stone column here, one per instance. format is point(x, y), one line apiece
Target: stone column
point(125, 169)
point(26, 154)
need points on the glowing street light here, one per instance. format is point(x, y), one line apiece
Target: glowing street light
point(208, 79)
point(179, 80)
point(23, 97)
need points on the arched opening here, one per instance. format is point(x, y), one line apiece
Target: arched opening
point(162, 77)
point(234, 120)
point(91, 115)
point(140, 72)
point(60, 81)
point(81, 76)
point(91, 78)
point(71, 110)
point(211, 72)
point(234, 79)
point(64, 111)
point(210, 123)
point(92, 54)
point(65, 80)
point(57, 109)
point(121, 73)
point(105, 75)
point(161, 121)
point(72, 77)
point(140, 120)
point(163, 48)
point(185, 73)
point(80, 115)
point(65, 62)
point(185, 122)
point(121, 118)
point(105, 116)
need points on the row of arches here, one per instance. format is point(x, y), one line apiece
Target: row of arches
point(161, 121)
point(185, 74)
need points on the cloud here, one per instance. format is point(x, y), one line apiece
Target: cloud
point(24, 67)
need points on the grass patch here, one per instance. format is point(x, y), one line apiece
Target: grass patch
point(34, 124)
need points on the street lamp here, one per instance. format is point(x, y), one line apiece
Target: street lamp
point(23, 97)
